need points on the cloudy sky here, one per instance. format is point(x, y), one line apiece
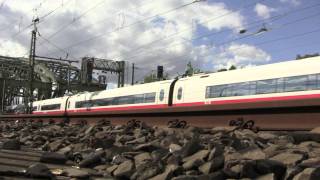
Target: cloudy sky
point(164, 32)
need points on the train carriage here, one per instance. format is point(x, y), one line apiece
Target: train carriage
point(285, 94)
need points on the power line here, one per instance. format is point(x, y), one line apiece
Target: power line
point(261, 43)
point(190, 29)
point(210, 34)
point(117, 12)
point(76, 19)
point(57, 47)
point(41, 20)
point(53, 11)
point(129, 25)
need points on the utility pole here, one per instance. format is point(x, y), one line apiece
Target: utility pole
point(31, 63)
point(132, 77)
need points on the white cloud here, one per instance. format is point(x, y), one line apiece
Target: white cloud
point(263, 11)
point(122, 44)
point(10, 48)
point(240, 55)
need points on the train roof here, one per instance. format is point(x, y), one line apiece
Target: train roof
point(279, 69)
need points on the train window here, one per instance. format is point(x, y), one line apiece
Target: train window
point(132, 99)
point(280, 85)
point(223, 90)
point(139, 98)
point(286, 84)
point(50, 107)
point(241, 89)
point(34, 108)
point(267, 86)
point(318, 81)
point(297, 83)
point(69, 104)
point(161, 95)
point(150, 97)
point(179, 96)
point(312, 82)
point(252, 87)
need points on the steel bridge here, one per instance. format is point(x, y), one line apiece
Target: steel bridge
point(52, 78)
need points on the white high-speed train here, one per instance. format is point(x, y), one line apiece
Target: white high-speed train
point(296, 79)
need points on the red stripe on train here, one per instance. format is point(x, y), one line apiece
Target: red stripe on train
point(216, 102)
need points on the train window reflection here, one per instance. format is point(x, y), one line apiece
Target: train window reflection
point(50, 107)
point(161, 95)
point(132, 99)
point(266, 86)
point(298, 83)
point(277, 85)
point(179, 96)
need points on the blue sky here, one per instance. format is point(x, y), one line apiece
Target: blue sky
point(162, 32)
point(285, 49)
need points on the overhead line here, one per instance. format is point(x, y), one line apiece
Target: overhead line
point(57, 47)
point(75, 20)
point(265, 42)
point(129, 25)
point(210, 34)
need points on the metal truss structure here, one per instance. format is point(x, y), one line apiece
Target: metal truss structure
point(51, 78)
point(105, 65)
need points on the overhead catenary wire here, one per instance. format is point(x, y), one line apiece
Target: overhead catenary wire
point(210, 34)
point(57, 47)
point(76, 19)
point(41, 19)
point(261, 43)
point(129, 25)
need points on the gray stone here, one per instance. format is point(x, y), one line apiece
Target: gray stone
point(252, 153)
point(125, 169)
point(256, 168)
point(305, 174)
point(185, 177)
point(315, 130)
point(191, 147)
point(39, 171)
point(66, 150)
point(269, 176)
point(75, 173)
point(308, 163)
point(92, 160)
point(11, 145)
point(89, 129)
point(315, 174)
point(195, 160)
point(147, 170)
point(148, 147)
point(167, 174)
point(111, 169)
point(52, 157)
point(174, 148)
point(216, 151)
point(142, 158)
point(55, 145)
point(289, 159)
point(213, 165)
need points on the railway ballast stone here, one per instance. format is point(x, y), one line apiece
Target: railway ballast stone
point(11, 145)
point(52, 157)
point(39, 170)
point(140, 152)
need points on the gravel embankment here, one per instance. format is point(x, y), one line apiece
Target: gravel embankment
point(122, 152)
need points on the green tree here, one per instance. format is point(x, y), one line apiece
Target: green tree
point(152, 77)
point(190, 70)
